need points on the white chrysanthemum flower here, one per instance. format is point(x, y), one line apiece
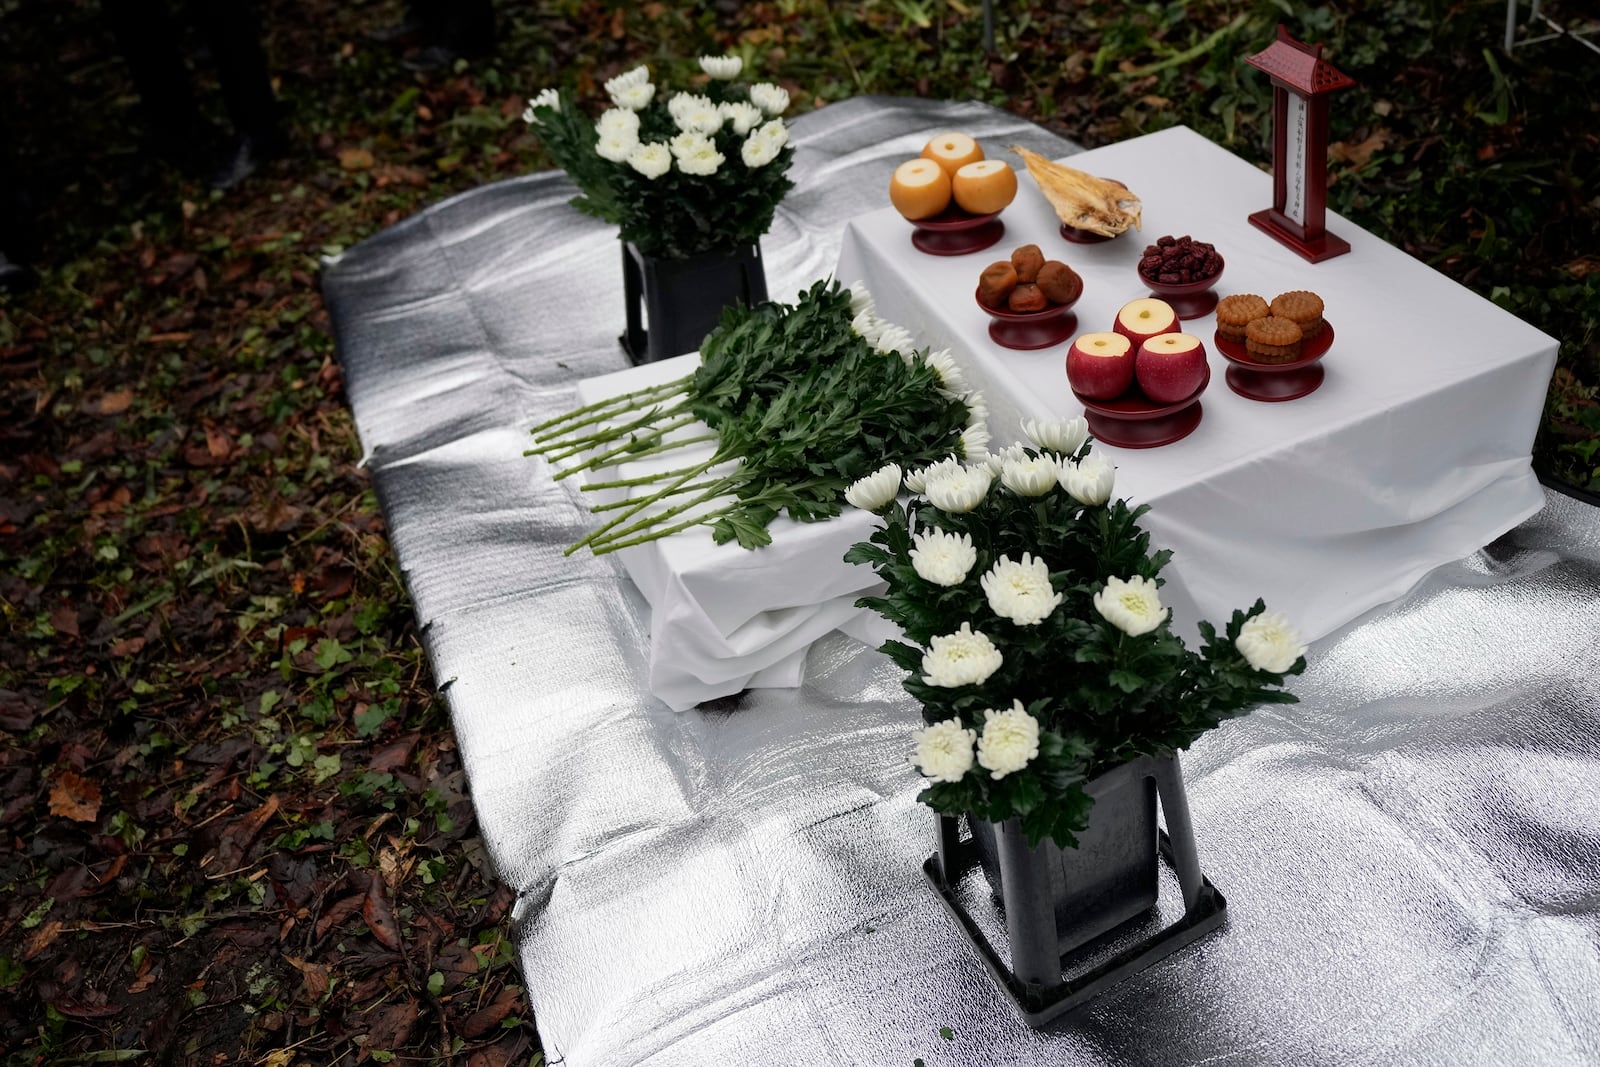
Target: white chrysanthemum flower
point(1269, 643)
point(861, 302)
point(896, 339)
point(722, 68)
point(951, 381)
point(1132, 606)
point(975, 441)
point(616, 149)
point(867, 326)
point(756, 152)
point(546, 98)
point(960, 491)
point(943, 558)
point(617, 122)
point(774, 132)
point(1065, 436)
point(877, 490)
point(769, 98)
point(944, 751)
point(1089, 482)
point(966, 657)
point(634, 97)
point(741, 116)
point(637, 76)
point(652, 160)
point(696, 153)
point(917, 481)
point(1030, 476)
point(1010, 740)
point(1020, 592)
point(997, 460)
point(688, 110)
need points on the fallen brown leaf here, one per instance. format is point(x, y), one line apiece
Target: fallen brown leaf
point(355, 159)
point(113, 403)
point(75, 797)
point(41, 939)
point(388, 1026)
point(64, 617)
point(379, 914)
point(481, 1022)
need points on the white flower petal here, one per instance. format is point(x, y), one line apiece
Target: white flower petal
point(1020, 592)
point(1065, 436)
point(877, 490)
point(944, 750)
point(1269, 643)
point(917, 481)
point(722, 68)
point(958, 492)
point(966, 657)
point(769, 98)
point(1132, 605)
point(943, 558)
point(1030, 476)
point(651, 160)
point(1010, 740)
point(1089, 482)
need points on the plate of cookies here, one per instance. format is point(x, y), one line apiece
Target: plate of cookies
point(1029, 300)
point(1274, 348)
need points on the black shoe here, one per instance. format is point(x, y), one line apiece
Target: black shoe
point(402, 34)
point(430, 58)
point(249, 153)
point(16, 277)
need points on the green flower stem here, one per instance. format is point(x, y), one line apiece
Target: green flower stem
point(625, 400)
point(615, 504)
point(632, 449)
point(718, 488)
point(656, 535)
point(555, 452)
point(643, 479)
point(639, 505)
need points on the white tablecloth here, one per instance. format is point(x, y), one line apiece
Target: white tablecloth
point(1414, 451)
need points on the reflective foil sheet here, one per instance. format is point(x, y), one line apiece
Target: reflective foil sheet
point(1410, 855)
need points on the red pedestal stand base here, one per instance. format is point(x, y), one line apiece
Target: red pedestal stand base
point(1324, 246)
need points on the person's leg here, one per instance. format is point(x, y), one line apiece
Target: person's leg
point(148, 40)
point(16, 239)
point(234, 33)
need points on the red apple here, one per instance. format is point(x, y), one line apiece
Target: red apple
point(1139, 320)
point(1170, 367)
point(1100, 365)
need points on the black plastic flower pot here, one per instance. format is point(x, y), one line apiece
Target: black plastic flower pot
point(1111, 877)
point(1062, 908)
point(673, 303)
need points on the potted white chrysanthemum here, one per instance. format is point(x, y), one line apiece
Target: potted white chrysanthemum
point(1055, 693)
point(691, 178)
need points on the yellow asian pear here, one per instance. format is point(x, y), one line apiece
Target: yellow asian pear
point(985, 187)
point(952, 151)
point(920, 189)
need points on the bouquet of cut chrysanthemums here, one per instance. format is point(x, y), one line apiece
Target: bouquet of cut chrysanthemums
point(793, 403)
point(681, 174)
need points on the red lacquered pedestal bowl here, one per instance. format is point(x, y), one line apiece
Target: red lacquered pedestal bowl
point(1029, 331)
point(954, 232)
point(1133, 420)
point(1276, 382)
point(1087, 237)
point(1191, 300)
